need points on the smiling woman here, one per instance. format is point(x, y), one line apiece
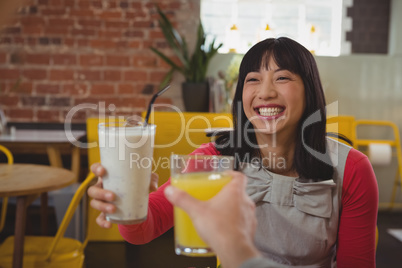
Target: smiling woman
point(316, 199)
point(306, 199)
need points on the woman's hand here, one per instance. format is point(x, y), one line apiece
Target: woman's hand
point(101, 198)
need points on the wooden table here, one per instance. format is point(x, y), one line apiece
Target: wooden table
point(54, 141)
point(26, 182)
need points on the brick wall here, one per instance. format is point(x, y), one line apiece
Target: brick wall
point(370, 26)
point(57, 54)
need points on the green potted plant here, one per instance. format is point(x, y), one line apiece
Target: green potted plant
point(193, 67)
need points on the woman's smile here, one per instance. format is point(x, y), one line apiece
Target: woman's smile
point(269, 112)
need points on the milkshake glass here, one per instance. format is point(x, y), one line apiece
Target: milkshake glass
point(126, 153)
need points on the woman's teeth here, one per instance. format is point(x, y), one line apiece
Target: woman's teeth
point(270, 111)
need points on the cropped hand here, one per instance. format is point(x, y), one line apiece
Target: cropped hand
point(226, 222)
point(101, 198)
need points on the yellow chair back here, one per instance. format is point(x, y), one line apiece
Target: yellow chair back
point(47, 251)
point(10, 161)
point(344, 125)
point(394, 143)
point(9, 155)
point(181, 133)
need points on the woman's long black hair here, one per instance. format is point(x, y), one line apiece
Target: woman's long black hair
point(289, 55)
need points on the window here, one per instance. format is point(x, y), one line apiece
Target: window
point(239, 24)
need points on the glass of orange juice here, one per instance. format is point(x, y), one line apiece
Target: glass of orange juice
point(201, 176)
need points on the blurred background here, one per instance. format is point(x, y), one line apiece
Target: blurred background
point(58, 55)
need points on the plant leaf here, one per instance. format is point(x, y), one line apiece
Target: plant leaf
point(173, 38)
point(168, 25)
point(194, 67)
point(166, 80)
point(167, 59)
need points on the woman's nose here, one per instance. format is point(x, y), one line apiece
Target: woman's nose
point(267, 91)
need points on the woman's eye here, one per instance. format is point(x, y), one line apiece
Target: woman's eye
point(283, 78)
point(251, 80)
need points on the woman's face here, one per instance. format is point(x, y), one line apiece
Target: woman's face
point(273, 100)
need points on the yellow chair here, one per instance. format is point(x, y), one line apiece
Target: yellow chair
point(394, 143)
point(343, 125)
point(48, 251)
point(182, 133)
point(10, 161)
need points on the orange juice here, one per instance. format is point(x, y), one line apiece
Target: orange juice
point(203, 186)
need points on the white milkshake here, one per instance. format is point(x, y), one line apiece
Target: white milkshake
point(126, 154)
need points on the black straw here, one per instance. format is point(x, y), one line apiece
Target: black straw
point(151, 103)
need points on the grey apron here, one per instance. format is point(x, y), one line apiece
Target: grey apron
point(298, 221)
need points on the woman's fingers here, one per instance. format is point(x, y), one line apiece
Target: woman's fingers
point(154, 182)
point(98, 169)
point(102, 222)
point(101, 197)
point(97, 192)
point(103, 206)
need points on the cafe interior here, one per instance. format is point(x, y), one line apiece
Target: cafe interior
point(68, 65)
